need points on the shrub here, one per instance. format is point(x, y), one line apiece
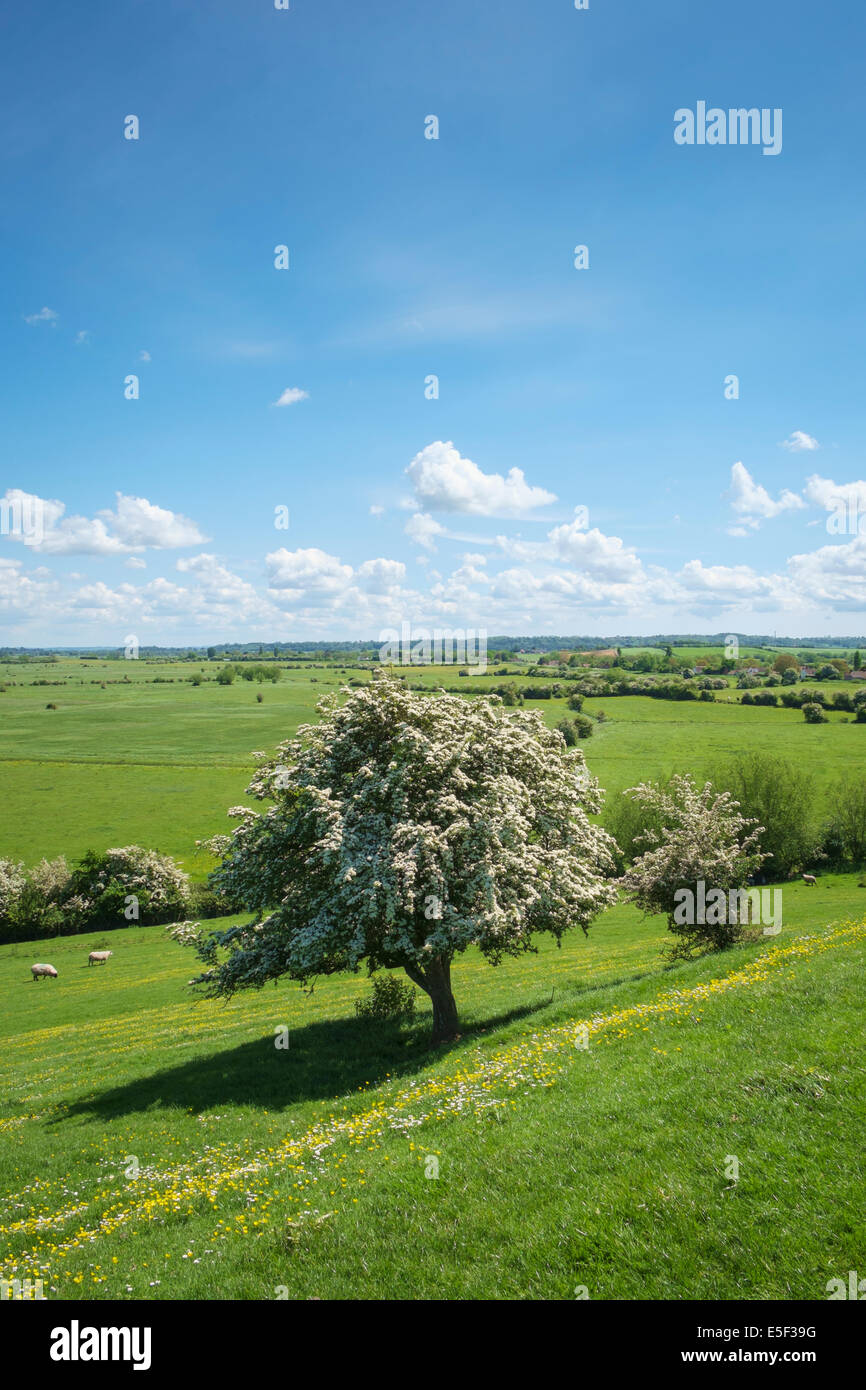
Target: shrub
point(12, 883)
point(628, 822)
point(391, 999)
point(813, 713)
point(848, 823)
point(102, 883)
point(703, 838)
point(566, 728)
point(204, 902)
point(779, 795)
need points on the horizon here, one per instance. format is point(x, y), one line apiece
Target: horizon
point(633, 640)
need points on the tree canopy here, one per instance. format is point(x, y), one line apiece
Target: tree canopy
point(405, 827)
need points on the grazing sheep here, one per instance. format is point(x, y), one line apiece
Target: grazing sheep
point(98, 957)
point(809, 878)
point(40, 970)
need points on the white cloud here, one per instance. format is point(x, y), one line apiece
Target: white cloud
point(140, 524)
point(82, 337)
point(292, 395)
point(310, 574)
point(378, 576)
point(829, 495)
point(799, 441)
point(594, 553)
point(422, 529)
point(753, 504)
point(134, 563)
point(834, 576)
point(447, 482)
point(136, 525)
point(376, 510)
point(144, 355)
point(45, 315)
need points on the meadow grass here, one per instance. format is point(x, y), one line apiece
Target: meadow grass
point(158, 764)
point(308, 1169)
point(155, 1145)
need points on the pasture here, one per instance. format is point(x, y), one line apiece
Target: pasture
point(158, 1146)
point(152, 759)
point(154, 1146)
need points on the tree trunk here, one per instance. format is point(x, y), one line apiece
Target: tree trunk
point(435, 980)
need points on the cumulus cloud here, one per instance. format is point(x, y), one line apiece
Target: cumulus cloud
point(753, 504)
point(823, 492)
point(140, 525)
point(378, 576)
point(423, 530)
point(445, 481)
point(310, 574)
point(834, 576)
point(799, 442)
point(136, 524)
point(591, 551)
point(292, 395)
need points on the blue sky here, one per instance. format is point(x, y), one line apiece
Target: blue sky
point(412, 257)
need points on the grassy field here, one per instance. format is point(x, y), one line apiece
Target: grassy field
point(153, 1145)
point(154, 760)
point(159, 1147)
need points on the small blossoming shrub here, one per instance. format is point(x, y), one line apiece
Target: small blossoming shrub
point(700, 836)
point(12, 881)
point(814, 713)
point(391, 999)
point(103, 885)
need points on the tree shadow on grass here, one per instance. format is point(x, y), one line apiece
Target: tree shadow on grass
point(323, 1060)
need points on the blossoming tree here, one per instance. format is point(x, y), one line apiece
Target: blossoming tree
point(404, 828)
point(704, 838)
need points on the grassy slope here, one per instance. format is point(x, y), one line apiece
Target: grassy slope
point(558, 1167)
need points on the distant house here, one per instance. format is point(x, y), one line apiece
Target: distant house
point(806, 671)
point(856, 676)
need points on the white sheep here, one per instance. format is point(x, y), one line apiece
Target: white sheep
point(98, 957)
point(40, 970)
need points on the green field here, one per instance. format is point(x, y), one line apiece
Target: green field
point(158, 764)
point(311, 1168)
point(155, 1145)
